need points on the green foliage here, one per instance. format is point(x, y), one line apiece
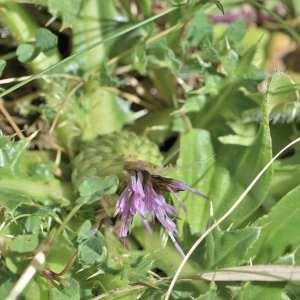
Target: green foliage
point(45, 39)
point(91, 249)
point(67, 10)
point(21, 180)
point(229, 181)
point(156, 83)
point(199, 30)
point(278, 234)
point(70, 291)
point(211, 294)
point(24, 243)
point(252, 291)
point(196, 162)
point(98, 186)
point(229, 248)
point(26, 52)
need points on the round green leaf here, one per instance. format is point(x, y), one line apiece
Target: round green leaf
point(26, 52)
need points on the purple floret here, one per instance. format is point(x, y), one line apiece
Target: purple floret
point(143, 196)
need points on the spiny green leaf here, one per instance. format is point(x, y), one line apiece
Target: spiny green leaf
point(229, 248)
point(286, 177)
point(18, 182)
point(242, 165)
point(278, 232)
point(283, 99)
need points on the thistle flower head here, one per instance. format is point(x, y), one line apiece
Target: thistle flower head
point(143, 196)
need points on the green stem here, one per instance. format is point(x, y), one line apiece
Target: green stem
point(90, 26)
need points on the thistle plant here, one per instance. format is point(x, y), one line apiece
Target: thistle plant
point(143, 196)
point(144, 190)
point(97, 97)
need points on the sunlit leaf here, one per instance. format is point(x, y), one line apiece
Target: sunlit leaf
point(91, 245)
point(26, 52)
point(196, 165)
point(253, 292)
point(71, 290)
point(98, 186)
point(19, 182)
point(229, 248)
point(242, 165)
point(199, 30)
point(211, 294)
point(67, 10)
point(278, 233)
point(45, 39)
point(236, 32)
point(24, 243)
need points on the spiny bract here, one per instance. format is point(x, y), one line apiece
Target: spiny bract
point(107, 154)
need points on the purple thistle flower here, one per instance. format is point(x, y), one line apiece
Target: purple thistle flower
point(143, 196)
